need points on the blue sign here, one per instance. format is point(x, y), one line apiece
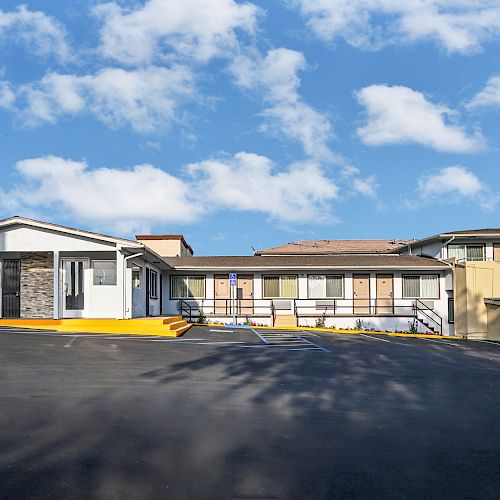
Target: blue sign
point(232, 279)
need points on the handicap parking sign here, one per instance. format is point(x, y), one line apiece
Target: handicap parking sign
point(232, 279)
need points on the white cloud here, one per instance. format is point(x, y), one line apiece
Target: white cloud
point(201, 29)
point(460, 26)
point(7, 95)
point(275, 77)
point(366, 187)
point(454, 180)
point(400, 115)
point(301, 193)
point(144, 196)
point(147, 99)
point(42, 34)
point(489, 96)
point(110, 197)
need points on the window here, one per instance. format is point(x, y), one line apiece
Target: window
point(451, 310)
point(280, 286)
point(466, 252)
point(187, 287)
point(153, 284)
point(320, 286)
point(104, 272)
point(136, 277)
point(425, 286)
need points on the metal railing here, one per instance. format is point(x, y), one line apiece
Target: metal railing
point(185, 307)
point(193, 308)
point(432, 317)
point(354, 307)
point(247, 308)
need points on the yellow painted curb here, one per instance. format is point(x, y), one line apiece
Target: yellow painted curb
point(158, 327)
point(347, 332)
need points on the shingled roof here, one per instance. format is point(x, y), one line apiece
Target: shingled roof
point(335, 247)
point(293, 262)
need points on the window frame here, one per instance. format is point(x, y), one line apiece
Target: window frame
point(451, 307)
point(140, 277)
point(438, 276)
point(153, 293)
point(342, 276)
point(465, 245)
point(204, 276)
point(93, 272)
point(280, 276)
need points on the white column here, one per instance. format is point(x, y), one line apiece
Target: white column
point(121, 282)
point(56, 284)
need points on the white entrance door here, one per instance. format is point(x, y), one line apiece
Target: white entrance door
point(73, 287)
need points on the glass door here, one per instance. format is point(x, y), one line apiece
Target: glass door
point(73, 287)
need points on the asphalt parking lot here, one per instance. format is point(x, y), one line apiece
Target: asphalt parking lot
point(243, 414)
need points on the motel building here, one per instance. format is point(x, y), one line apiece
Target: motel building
point(447, 283)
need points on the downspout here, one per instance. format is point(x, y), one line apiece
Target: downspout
point(124, 293)
point(452, 267)
point(448, 242)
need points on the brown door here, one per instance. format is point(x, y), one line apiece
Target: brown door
point(222, 303)
point(245, 294)
point(385, 294)
point(361, 293)
point(496, 252)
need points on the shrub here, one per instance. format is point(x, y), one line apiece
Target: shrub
point(359, 325)
point(321, 321)
point(412, 327)
point(202, 318)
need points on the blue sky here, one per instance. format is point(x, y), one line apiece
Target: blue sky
point(245, 124)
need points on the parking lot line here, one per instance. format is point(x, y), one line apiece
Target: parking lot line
point(305, 332)
point(70, 342)
point(374, 338)
point(489, 342)
point(259, 335)
point(440, 342)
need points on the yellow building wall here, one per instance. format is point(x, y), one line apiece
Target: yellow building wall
point(493, 322)
point(474, 281)
point(167, 248)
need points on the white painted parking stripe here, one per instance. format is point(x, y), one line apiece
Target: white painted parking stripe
point(280, 341)
point(261, 337)
point(70, 342)
point(310, 333)
point(289, 340)
point(489, 342)
point(316, 345)
point(281, 347)
point(223, 331)
point(439, 341)
point(373, 338)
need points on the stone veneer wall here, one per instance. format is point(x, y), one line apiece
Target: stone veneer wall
point(37, 285)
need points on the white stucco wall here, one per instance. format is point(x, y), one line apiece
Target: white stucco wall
point(101, 301)
point(29, 239)
point(440, 305)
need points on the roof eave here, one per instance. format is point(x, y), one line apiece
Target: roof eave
point(303, 268)
point(68, 230)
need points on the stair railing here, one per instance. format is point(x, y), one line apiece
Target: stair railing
point(186, 307)
point(421, 308)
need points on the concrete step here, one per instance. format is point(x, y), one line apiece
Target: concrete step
point(181, 329)
point(151, 326)
point(175, 324)
point(285, 320)
point(171, 319)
